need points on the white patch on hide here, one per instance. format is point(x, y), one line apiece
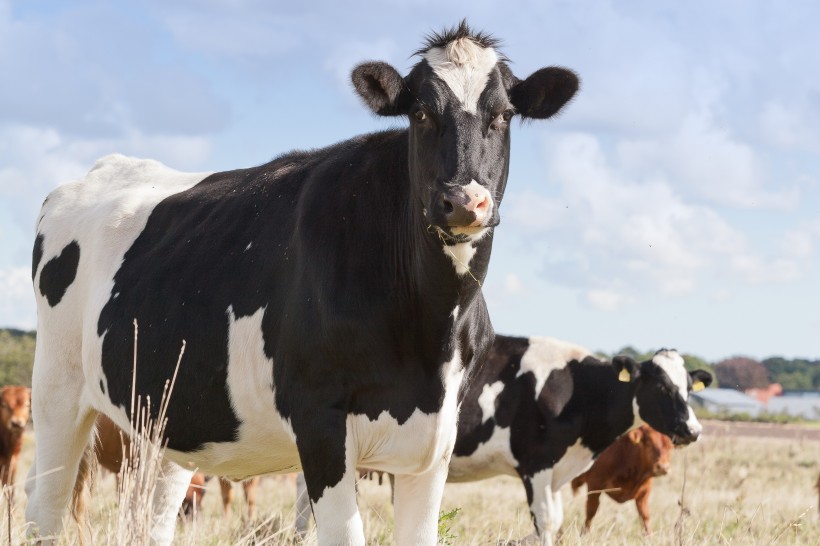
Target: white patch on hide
point(486, 400)
point(672, 363)
point(492, 458)
point(465, 67)
point(265, 442)
point(575, 461)
point(546, 354)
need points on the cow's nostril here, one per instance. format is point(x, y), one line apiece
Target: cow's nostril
point(447, 206)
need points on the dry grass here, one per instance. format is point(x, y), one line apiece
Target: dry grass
point(738, 491)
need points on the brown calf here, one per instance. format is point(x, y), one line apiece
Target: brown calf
point(15, 408)
point(624, 471)
point(111, 446)
point(250, 494)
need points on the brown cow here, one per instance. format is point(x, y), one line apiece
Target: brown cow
point(250, 494)
point(109, 448)
point(15, 408)
point(624, 471)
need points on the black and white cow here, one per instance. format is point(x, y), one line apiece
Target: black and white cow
point(330, 299)
point(543, 409)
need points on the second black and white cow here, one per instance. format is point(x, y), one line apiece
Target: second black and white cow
point(543, 409)
point(330, 299)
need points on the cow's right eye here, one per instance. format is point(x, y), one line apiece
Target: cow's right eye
point(420, 116)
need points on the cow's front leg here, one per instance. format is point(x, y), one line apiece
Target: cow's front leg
point(416, 504)
point(329, 465)
point(545, 506)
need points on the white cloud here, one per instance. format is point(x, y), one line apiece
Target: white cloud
point(17, 308)
point(620, 233)
point(513, 284)
point(606, 300)
point(758, 270)
point(704, 161)
point(342, 59)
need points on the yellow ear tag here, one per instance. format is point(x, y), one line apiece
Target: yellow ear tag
point(624, 376)
point(698, 386)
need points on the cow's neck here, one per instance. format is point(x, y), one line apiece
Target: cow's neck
point(608, 404)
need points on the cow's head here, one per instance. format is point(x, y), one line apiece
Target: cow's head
point(662, 387)
point(460, 99)
point(192, 503)
point(15, 408)
point(655, 449)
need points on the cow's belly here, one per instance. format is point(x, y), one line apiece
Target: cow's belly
point(575, 461)
point(261, 451)
point(265, 442)
point(416, 445)
point(491, 458)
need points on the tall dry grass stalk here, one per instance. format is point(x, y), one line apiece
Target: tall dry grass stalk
point(142, 467)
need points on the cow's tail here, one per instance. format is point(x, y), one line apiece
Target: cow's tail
point(85, 475)
point(578, 482)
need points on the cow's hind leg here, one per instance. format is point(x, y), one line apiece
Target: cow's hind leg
point(329, 458)
point(62, 432)
point(302, 508)
point(416, 502)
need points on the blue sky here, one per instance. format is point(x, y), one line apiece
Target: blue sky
point(674, 203)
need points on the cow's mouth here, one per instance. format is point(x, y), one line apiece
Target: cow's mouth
point(680, 440)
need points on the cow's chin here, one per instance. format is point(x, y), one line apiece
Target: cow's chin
point(452, 235)
point(680, 441)
point(472, 232)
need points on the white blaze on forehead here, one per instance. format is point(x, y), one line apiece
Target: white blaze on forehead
point(465, 67)
point(486, 400)
point(546, 354)
point(672, 363)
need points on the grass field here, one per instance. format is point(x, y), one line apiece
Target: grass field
point(738, 490)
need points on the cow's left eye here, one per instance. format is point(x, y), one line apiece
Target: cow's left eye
point(502, 120)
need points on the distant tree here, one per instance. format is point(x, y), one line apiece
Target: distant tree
point(16, 357)
point(741, 373)
point(794, 374)
point(634, 354)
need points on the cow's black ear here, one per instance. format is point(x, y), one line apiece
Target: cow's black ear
point(627, 369)
point(544, 93)
point(382, 88)
point(700, 379)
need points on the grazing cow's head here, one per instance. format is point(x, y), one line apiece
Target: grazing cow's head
point(15, 407)
point(192, 503)
point(662, 387)
point(460, 99)
point(655, 449)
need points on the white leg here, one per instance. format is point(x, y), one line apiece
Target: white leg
point(558, 504)
point(337, 516)
point(416, 502)
point(62, 431)
point(302, 507)
point(168, 495)
point(545, 514)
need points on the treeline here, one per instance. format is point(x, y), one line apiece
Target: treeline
point(737, 372)
point(742, 373)
point(16, 356)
